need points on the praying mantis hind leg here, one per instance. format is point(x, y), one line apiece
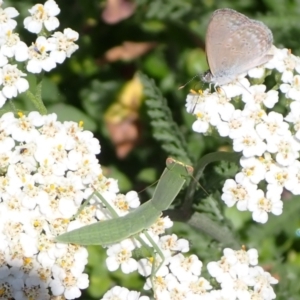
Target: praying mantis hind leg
point(82, 206)
point(155, 269)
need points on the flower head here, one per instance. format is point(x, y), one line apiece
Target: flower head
point(42, 15)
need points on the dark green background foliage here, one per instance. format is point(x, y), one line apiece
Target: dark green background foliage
point(84, 86)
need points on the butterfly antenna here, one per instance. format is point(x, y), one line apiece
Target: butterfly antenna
point(181, 87)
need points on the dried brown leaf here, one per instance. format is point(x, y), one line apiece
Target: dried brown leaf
point(128, 51)
point(117, 10)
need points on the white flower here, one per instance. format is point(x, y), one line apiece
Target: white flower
point(32, 195)
point(120, 254)
point(235, 125)
point(171, 243)
point(285, 62)
point(250, 256)
point(12, 46)
point(253, 169)
point(67, 284)
point(240, 260)
point(260, 205)
point(185, 267)
point(19, 176)
point(52, 151)
point(266, 160)
point(276, 62)
point(277, 177)
point(164, 286)
point(195, 98)
point(261, 282)
point(223, 106)
point(286, 148)
point(198, 287)
point(249, 143)
point(123, 203)
point(85, 143)
point(206, 114)
point(202, 124)
point(236, 286)
point(39, 58)
point(23, 129)
point(64, 44)
point(160, 225)
point(253, 113)
point(13, 83)
point(291, 63)
point(221, 270)
point(67, 207)
point(292, 90)
point(6, 21)
point(239, 191)
point(257, 95)
point(272, 126)
point(178, 291)
point(42, 15)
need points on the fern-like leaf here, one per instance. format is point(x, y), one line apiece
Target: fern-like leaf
point(165, 130)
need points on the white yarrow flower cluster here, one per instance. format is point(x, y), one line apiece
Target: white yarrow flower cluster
point(47, 169)
point(240, 278)
point(237, 275)
point(44, 53)
point(268, 141)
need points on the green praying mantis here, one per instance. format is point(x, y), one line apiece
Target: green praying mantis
point(138, 221)
point(131, 225)
point(119, 228)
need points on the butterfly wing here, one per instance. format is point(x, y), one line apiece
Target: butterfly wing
point(222, 24)
point(235, 44)
point(249, 45)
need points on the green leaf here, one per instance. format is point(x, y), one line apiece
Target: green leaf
point(70, 113)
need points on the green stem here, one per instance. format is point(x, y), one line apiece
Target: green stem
point(203, 162)
point(36, 98)
point(218, 232)
point(12, 105)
